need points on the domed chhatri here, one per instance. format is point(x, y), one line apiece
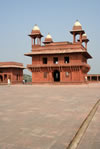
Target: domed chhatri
point(36, 36)
point(49, 36)
point(77, 30)
point(77, 26)
point(85, 39)
point(36, 29)
point(84, 36)
point(48, 39)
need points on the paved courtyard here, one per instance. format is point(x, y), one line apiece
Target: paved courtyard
point(47, 116)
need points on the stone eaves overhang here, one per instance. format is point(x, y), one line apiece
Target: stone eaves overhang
point(85, 67)
point(50, 52)
point(12, 66)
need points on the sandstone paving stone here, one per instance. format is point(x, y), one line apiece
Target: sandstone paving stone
point(91, 139)
point(43, 116)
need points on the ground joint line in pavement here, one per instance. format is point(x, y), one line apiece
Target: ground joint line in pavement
point(79, 134)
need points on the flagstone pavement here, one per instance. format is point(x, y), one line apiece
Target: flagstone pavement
point(47, 116)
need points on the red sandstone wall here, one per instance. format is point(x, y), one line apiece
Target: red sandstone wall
point(17, 75)
point(75, 58)
point(12, 74)
point(39, 77)
point(75, 74)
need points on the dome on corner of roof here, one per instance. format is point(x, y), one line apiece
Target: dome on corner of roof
point(36, 29)
point(84, 36)
point(77, 26)
point(48, 38)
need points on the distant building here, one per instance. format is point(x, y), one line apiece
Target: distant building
point(93, 77)
point(11, 71)
point(63, 62)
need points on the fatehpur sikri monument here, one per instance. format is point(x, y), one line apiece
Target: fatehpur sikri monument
point(61, 110)
point(53, 62)
point(49, 74)
point(64, 62)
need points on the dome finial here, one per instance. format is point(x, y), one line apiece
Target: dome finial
point(77, 23)
point(49, 36)
point(36, 27)
point(48, 39)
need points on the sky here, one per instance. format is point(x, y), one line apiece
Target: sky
point(57, 17)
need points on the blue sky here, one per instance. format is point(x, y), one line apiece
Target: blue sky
point(17, 18)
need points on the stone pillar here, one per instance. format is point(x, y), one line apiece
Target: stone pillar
point(3, 78)
point(40, 41)
point(90, 78)
point(80, 37)
point(32, 42)
point(97, 78)
point(85, 44)
point(74, 38)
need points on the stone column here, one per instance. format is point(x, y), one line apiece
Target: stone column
point(3, 78)
point(97, 78)
point(40, 41)
point(85, 44)
point(74, 38)
point(32, 42)
point(80, 37)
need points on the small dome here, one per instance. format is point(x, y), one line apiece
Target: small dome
point(77, 23)
point(77, 26)
point(49, 36)
point(48, 39)
point(84, 36)
point(36, 30)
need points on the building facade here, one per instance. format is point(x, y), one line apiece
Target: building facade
point(12, 71)
point(63, 62)
point(93, 77)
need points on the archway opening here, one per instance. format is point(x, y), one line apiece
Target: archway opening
point(1, 78)
point(56, 76)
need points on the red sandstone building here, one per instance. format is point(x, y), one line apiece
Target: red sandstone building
point(93, 77)
point(12, 71)
point(64, 62)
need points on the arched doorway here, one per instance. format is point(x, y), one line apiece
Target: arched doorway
point(56, 76)
point(1, 78)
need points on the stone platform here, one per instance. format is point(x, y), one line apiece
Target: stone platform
point(47, 116)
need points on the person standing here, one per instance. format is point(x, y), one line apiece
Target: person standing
point(8, 81)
